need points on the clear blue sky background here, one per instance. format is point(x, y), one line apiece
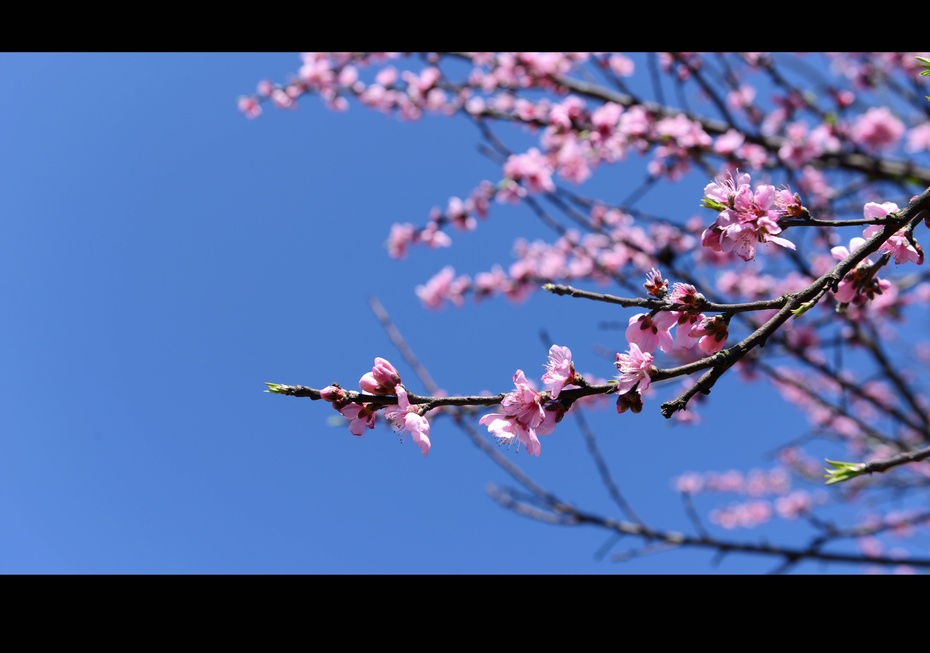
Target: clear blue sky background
point(162, 257)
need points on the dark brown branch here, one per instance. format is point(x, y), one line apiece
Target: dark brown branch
point(567, 515)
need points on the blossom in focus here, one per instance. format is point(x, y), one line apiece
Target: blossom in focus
point(381, 380)
point(712, 333)
point(522, 417)
point(655, 285)
point(406, 418)
point(746, 218)
point(559, 371)
point(859, 285)
point(634, 368)
point(900, 247)
point(652, 331)
point(684, 323)
point(360, 416)
point(684, 294)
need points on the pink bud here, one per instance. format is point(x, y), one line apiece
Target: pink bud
point(381, 380)
point(333, 393)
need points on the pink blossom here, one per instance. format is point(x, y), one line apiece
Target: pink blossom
point(250, 107)
point(789, 204)
point(874, 210)
point(560, 371)
point(510, 192)
point(360, 416)
point(795, 505)
point(746, 218)
point(490, 283)
point(605, 119)
point(532, 168)
point(406, 418)
point(381, 380)
point(859, 285)
point(282, 99)
point(685, 322)
point(333, 394)
point(655, 285)
point(651, 331)
point(572, 160)
point(745, 515)
point(522, 418)
point(621, 65)
point(877, 129)
point(387, 76)
point(918, 138)
point(684, 294)
point(433, 237)
point(402, 235)
point(457, 214)
point(444, 286)
point(798, 148)
point(712, 332)
point(741, 97)
point(728, 142)
point(475, 105)
point(899, 245)
point(689, 483)
point(635, 368)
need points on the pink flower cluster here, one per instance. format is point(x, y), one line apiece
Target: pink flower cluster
point(757, 484)
point(382, 380)
point(861, 284)
point(746, 218)
point(635, 369)
point(651, 331)
point(525, 413)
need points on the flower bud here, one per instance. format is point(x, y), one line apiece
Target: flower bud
point(381, 380)
point(333, 393)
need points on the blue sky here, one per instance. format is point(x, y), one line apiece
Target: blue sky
point(163, 257)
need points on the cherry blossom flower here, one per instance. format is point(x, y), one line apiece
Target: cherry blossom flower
point(712, 333)
point(635, 368)
point(684, 294)
point(745, 219)
point(899, 245)
point(360, 416)
point(655, 285)
point(523, 417)
point(406, 418)
point(532, 168)
point(859, 285)
point(560, 371)
point(652, 331)
point(684, 323)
